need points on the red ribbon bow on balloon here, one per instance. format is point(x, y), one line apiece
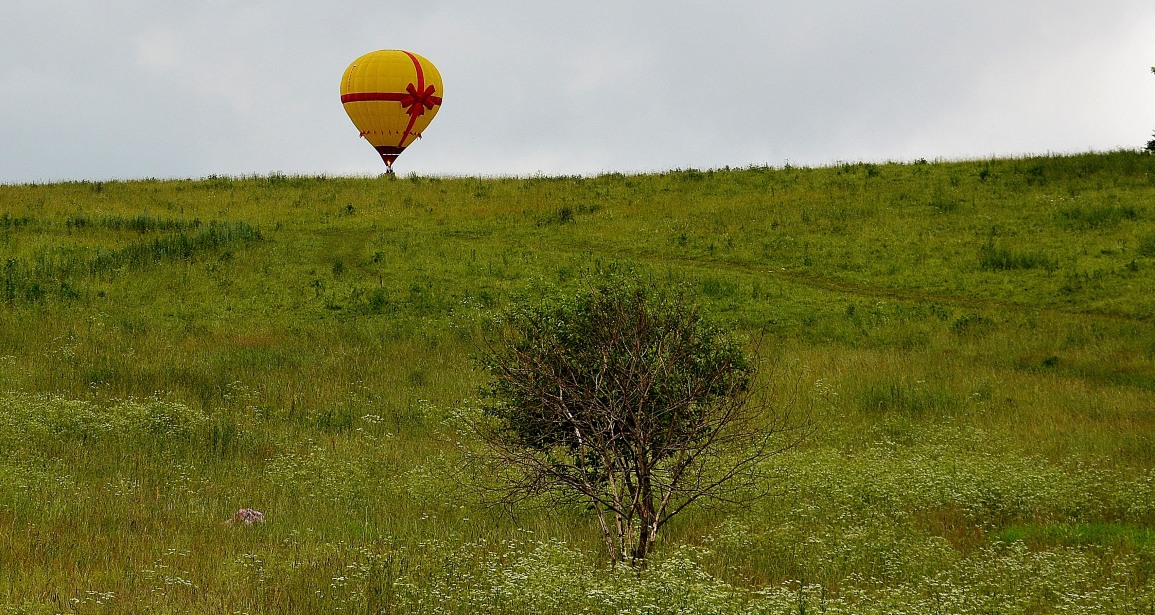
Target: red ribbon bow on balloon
point(417, 102)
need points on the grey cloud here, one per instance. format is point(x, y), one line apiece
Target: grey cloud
point(118, 88)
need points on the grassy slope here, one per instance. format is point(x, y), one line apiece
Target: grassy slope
point(975, 339)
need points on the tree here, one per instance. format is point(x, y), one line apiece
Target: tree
point(627, 399)
point(1151, 143)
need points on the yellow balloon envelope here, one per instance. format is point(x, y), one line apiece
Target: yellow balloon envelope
point(391, 96)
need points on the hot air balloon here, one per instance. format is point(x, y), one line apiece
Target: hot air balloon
point(391, 95)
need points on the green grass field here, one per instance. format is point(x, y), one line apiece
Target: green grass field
point(975, 341)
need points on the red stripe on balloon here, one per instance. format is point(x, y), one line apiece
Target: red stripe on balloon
point(362, 96)
point(420, 73)
point(415, 111)
point(388, 96)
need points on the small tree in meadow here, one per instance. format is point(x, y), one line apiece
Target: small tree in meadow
point(627, 399)
point(1151, 143)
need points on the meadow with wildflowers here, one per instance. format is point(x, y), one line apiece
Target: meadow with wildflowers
point(974, 342)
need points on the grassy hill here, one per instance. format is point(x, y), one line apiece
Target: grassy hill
point(976, 341)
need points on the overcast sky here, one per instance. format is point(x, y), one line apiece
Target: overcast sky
point(101, 89)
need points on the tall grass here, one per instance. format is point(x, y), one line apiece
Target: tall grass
point(973, 338)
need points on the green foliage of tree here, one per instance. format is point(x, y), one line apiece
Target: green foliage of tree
point(627, 398)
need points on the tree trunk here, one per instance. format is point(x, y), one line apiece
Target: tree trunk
point(647, 524)
point(607, 534)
